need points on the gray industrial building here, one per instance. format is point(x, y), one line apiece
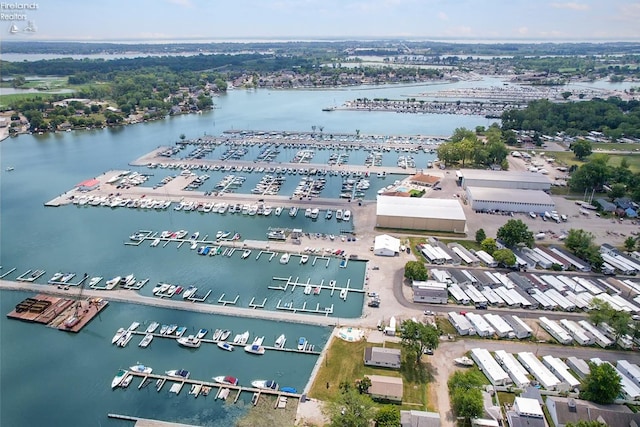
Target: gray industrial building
point(503, 179)
point(413, 213)
point(509, 200)
point(430, 291)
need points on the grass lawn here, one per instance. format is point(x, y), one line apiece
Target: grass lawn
point(568, 158)
point(7, 100)
point(344, 363)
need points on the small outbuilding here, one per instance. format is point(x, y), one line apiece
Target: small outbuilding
point(385, 388)
point(414, 418)
point(385, 245)
point(88, 185)
point(382, 357)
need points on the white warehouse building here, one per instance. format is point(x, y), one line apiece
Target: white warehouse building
point(503, 179)
point(511, 200)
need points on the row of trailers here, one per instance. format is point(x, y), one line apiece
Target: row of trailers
point(532, 290)
point(552, 373)
point(489, 325)
point(584, 333)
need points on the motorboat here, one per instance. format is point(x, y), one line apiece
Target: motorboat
point(246, 253)
point(191, 341)
point(195, 236)
point(314, 213)
point(152, 327)
point(280, 341)
point(304, 259)
point(195, 389)
point(189, 291)
point(329, 214)
point(118, 335)
point(302, 343)
point(308, 289)
point(171, 329)
point(216, 334)
point(343, 293)
point(180, 234)
point(127, 380)
point(265, 384)
point(339, 214)
point(202, 333)
point(254, 349)
point(124, 339)
point(163, 329)
point(114, 281)
point(180, 331)
point(278, 210)
point(119, 378)
point(346, 216)
point(94, 281)
point(225, 334)
point(293, 211)
point(464, 361)
point(145, 341)
point(276, 235)
point(284, 259)
point(317, 290)
point(228, 380)
point(241, 339)
point(307, 212)
point(141, 369)
point(225, 346)
point(127, 280)
point(178, 373)
point(133, 326)
point(288, 390)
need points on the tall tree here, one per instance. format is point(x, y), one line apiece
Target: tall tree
point(515, 232)
point(480, 235)
point(630, 243)
point(388, 416)
point(489, 245)
point(350, 409)
point(466, 397)
point(415, 270)
point(602, 384)
point(504, 257)
point(418, 337)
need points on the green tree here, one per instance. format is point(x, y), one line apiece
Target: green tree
point(515, 232)
point(363, 384)
point(602, 384)
point(350, 409)
point(388, 416)
point(489, 245)
point(415, 270)
point(617, 190)
point(593, 174)
point(505, 257)
point(466, 397)
point(581, 149)
point(630, 243)
point(480, 235)
point(578, 240)
point(418, 337)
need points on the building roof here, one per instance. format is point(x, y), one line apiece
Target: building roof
point(504, 175)
point(424, 179)
point(384, 241)
point(420, 207)
point(419, 419)
point(510, 195)
point(528, 407)
point(88, 183)
point(382, 355)
point(382, 385)
point(612, 415)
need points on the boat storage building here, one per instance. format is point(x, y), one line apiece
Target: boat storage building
point(385, 245)
point(414, 213)
point(509, 200)
point(514, 180)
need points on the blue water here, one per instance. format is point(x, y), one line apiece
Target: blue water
point(52, 378)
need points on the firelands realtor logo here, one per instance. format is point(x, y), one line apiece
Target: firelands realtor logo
point(19, 16)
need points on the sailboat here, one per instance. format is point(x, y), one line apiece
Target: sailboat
point(14, 29)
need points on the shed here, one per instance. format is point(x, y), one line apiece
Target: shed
point(415, 418)
point(385, 388)
point(88, 185)
point(385, 245)
point(382, 357)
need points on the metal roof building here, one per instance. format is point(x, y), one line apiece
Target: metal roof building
point(504, 179)
point(538, 370)
point(520, 328)
point(515, 370)
point(415, 213)
point(555, 330)
point(493, 371)
point(559, 368)
point(461, 323)
point(509, 200)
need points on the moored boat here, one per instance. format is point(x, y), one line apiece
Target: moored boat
point(225, 346)
point(280, 341)
point(120, 376)
point(146, 340)
point(288, 390)
point(178, 373)
point(284, 258)
point(228, 380)
point(141, 369)
point(304, 259)
point(265, 384)
point(191, 341)
point(202, 333)
point(225, 334)
point(152, 327)
point(302, 343)
point(118, 335)
point(180, 331)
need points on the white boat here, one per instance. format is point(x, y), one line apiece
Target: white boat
point(195, 389)
point(302, 343)
point(114, 281)
point(464, 361)
point(189, 292)
point(216, 334)
point(246, 253)
point(278, 210)
point(241, 339)
point(228, 380)
point(141, 369)
point(308, 289)
point(133, 326)
point(281, 341)
point(343, 293)
point(329, 214)
point(124, 339)
point(254, 349)
point(146, 340)
point(171, 329)
point(155, 242)
point(202, 333)
point(284, 259)
point(191, 341)
point(94, 281)
point(152, 327)
point(163, 329)
point(56, 277)
point(265, 384)
point(346, 216)
point(120, 376)
point(314, 213)
point(180, 331)
point(195, 235)
point(223, 394)
point(225, 346)
point(178, 373)
point(304, 258)
point(293, 211)
point(307, 212)
point(225, 334)
point(339, 214)
point(118, 335)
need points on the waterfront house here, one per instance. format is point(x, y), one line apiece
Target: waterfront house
point(385, 388)
point(382, 357)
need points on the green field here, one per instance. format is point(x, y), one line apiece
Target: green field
point(7, 100)
point(344, 363)
point(567, 158)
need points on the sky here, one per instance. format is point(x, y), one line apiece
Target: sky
point(203, 20)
